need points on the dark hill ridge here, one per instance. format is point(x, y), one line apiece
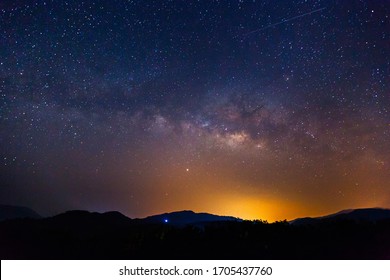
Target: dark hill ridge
point(357, 215)
point(8, 212)
point(186, 217)
point(83, 217)
point(188, 235)
point(86, 219)
point(179, 218)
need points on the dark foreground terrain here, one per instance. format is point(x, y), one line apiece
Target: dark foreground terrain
point(85, 235)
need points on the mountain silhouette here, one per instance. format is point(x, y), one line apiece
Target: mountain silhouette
point(356, 215)
point(187, 217)
point(89, 220)
point(349, 234)
point(8, 212)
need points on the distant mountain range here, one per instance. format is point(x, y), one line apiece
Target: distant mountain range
point(84, 218)
point(188, 235)
point(186, 217)
point(179, 218)
point(357, 215)
point(8, 212)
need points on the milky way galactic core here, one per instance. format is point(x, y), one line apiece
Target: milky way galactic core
point(256, 109)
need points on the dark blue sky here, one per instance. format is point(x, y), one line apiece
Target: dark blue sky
point(138, 106)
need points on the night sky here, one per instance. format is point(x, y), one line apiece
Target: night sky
point(256, 109)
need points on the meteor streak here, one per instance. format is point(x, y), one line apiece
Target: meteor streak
point(281, 22)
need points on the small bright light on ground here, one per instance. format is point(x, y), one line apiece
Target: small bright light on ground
point(165, 220)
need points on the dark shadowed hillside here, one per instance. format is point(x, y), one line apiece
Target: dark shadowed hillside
point(357, 215)
point(183, 218)
point(85, 235)
point(8, 212)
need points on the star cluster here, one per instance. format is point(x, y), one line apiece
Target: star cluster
point(258, 109)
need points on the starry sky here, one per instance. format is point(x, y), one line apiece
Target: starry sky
point(257, 109)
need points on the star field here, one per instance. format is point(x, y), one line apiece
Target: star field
point(257, 109)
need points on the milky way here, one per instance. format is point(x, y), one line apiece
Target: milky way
point(154, 106)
